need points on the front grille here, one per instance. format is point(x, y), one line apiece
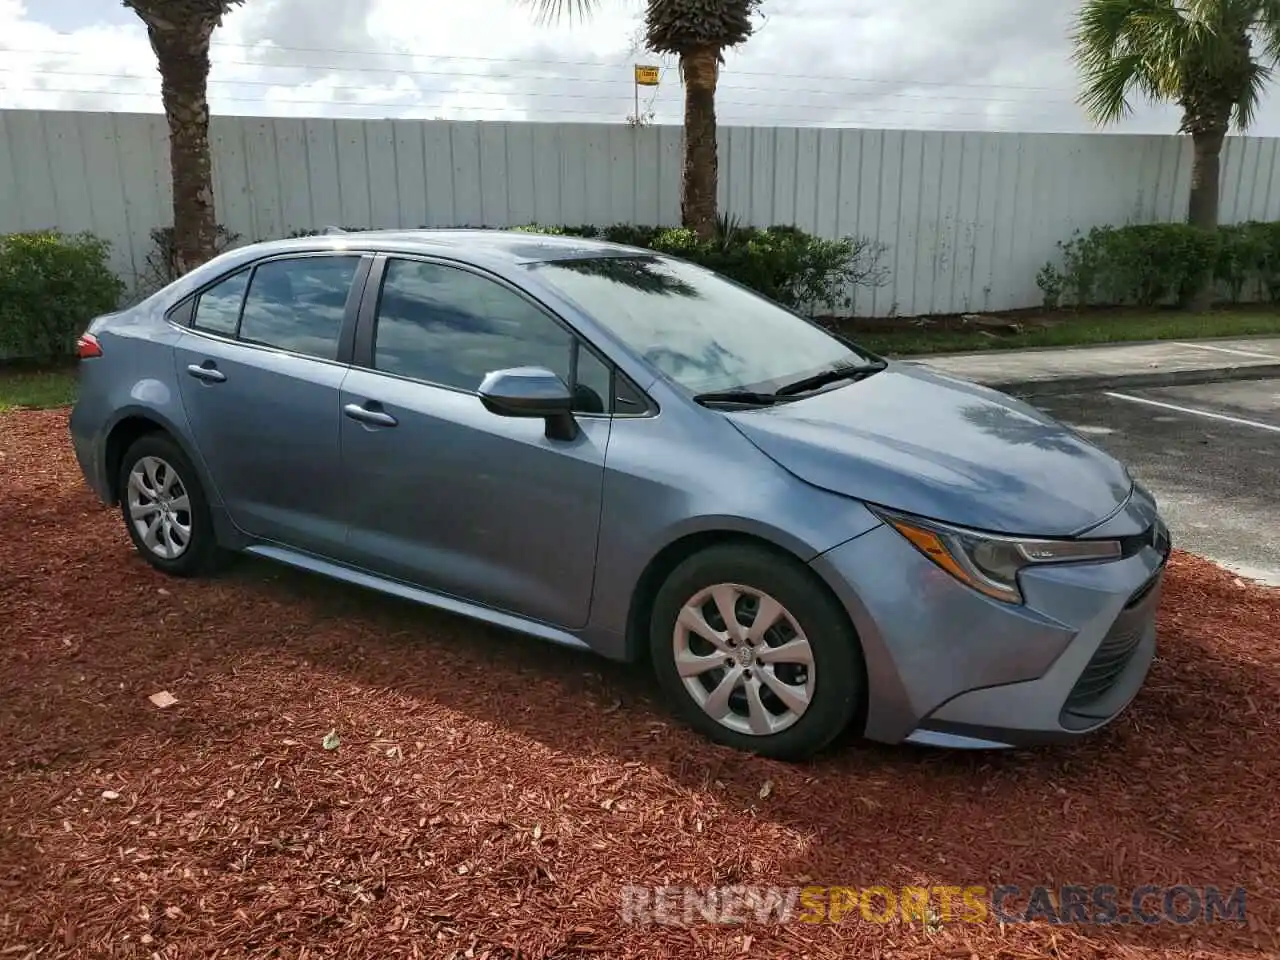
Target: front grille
point(1156, 535)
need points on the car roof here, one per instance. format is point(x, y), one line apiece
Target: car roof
point(504, 246)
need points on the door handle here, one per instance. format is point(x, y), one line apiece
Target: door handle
point(209, 374)
point(376, 417)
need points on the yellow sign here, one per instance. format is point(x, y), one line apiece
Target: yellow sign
point(646, 76)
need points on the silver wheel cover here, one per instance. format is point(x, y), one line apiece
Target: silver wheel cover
point(159, 508)
point(744, 659)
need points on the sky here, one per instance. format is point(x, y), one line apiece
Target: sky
point(918, 64)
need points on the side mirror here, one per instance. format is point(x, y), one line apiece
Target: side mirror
point(531, 392)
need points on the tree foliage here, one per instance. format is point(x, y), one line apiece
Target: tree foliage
point(1211, 57)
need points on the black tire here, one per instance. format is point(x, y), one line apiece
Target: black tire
point(202, 554)
point(839, 684)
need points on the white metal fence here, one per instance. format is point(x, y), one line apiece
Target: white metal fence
point(968, 217)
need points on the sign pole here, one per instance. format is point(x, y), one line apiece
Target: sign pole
point(643, 76)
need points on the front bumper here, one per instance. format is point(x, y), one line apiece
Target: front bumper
point(947, 666)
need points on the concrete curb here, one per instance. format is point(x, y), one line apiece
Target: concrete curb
point(1134, 381)
point(949, 354)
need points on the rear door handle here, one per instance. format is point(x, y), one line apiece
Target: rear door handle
point(209, 374)
point(367, 415)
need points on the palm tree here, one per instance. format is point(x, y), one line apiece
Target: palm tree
point(180, 31)
point(1213, 58)
point(698, 32)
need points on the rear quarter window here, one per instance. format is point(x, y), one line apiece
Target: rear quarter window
point(218, 308)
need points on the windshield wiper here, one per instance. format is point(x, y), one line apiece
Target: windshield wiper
point(848, 371)
point(851, 371)
point(737, 396)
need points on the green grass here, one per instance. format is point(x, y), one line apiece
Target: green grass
point(36, 389)
point(1075, 331)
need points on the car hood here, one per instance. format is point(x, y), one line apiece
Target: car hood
point(928, 444)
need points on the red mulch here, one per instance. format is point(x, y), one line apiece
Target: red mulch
point(491, 795)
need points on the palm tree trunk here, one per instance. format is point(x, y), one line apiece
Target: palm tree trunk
point(183, 55)
point(701, 69)
point(1205, 178)
point(1202, 210)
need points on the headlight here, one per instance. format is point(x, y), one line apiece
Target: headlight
point(988, 562)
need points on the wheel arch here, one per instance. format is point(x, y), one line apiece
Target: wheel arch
point(677, 551)
point(673, 554)
point(129, 427)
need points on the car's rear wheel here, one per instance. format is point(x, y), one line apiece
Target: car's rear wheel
point(165, 509)
point(755, 654)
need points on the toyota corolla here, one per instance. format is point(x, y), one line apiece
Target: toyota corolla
point(601, 447)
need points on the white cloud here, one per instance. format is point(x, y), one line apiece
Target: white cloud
point(983, 64)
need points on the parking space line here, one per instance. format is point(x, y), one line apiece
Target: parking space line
point(1241, 353)
point(1194, 412)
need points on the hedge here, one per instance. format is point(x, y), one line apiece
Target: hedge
point(1154, 264)
point(51, 286)
point(784, 263)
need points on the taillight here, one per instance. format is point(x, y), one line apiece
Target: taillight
point(88, 347)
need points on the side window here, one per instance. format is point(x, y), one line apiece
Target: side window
point(298, 304)
point(592, 382)
point(218, 309)
point(452, 327)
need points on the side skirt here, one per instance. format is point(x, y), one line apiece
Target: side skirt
point(427, 598)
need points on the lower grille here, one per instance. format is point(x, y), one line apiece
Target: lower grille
point(1108, 662)
point(1117, 647)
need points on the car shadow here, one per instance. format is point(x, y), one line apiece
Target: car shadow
point(1026, 818)
point(1153, 780)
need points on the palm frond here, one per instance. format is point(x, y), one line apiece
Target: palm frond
point(1184, 51)
point(553, 11)
point(1266, 27)
point(1105, 93)
point(1247, 104)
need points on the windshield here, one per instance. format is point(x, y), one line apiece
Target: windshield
point(703, 332)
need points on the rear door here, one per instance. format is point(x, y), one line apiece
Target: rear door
point(260, 368)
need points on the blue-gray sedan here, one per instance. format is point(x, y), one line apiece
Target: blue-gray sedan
point(610, 449)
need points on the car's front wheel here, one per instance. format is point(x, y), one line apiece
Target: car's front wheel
point(164, 508)
point(755, 654)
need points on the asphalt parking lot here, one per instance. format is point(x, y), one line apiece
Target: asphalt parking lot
point(1211, 455)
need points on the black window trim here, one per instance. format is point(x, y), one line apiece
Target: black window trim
point(362, 354)
point(183, 313)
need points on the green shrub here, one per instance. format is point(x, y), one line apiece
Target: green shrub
point(298, 234)
point(795, 268)
point(538, 228)
point(1248, 261)
point(1154, 264)
point(624, 233)
point(51, 286)
point(161, 266)
point(630, 235)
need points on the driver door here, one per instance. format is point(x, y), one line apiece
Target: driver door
point(441, 492)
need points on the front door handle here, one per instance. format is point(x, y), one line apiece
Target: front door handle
point(209, 374)
point(365, 414)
